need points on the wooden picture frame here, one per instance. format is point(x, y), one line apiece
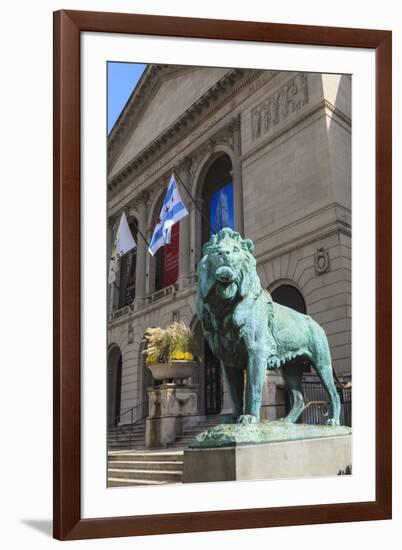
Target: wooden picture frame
point(68, 26)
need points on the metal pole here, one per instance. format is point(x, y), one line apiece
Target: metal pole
point(140, 232)
point(196, 205)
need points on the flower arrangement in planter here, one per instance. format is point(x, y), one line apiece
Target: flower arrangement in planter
point(170, 351)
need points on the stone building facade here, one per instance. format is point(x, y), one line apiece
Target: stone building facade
point(281, 141)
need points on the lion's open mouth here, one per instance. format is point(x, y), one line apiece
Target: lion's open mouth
point(226, 291)
point(225, 286)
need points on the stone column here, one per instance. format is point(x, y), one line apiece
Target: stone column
point(109, 253)
point(149, 267)
point(113, 289)
point(237, 175)
point(185, 225)
point(195, 237)
point(140, 271)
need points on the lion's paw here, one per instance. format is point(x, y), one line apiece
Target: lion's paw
point(332, 422)
point(247, 419)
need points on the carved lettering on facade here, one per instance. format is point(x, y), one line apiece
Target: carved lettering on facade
point(276, 108)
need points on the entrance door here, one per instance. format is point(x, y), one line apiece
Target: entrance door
point(114, 386)
point(213, 382)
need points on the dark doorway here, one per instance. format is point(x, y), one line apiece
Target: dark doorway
point(115, 364)
point(289, 296)
point(213, 382)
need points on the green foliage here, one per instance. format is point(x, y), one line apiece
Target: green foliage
point(175, 342)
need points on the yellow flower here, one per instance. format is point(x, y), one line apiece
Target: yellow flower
point(182, 356)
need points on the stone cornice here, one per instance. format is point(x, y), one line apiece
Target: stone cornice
point(189, 161)
point(145, 86)
point(201, 110)
point(210, 129)
point(180, 127)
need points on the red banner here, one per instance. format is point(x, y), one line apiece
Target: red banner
point(171, 263)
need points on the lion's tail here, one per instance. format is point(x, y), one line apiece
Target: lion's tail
point(338, 381)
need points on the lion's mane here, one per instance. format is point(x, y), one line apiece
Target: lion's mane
point(248, 283)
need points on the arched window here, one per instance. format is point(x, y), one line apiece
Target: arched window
point(128, 264)
point(289, 296)
point(217, 195)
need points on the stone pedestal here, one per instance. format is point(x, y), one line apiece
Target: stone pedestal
point(326, 455)
point(170, 406)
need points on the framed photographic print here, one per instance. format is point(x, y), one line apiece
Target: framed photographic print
point(222, 223)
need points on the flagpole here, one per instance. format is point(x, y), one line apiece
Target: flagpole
point(195, 204)
point(143, 237)
point(141, 234)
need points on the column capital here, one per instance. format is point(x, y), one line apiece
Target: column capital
point(137, 205)
point(183, 167)
point(234, 124)
point(196, 204)
point(111, 221)
point(143, 197)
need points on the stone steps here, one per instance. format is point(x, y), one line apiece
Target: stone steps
point(190, 432)
point(131, 468)
point(158, 475)
point(126, 436)
point(159, 456)
point(121, 482)
point(119, 437)
point(146, 464)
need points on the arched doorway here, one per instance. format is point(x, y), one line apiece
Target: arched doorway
point(217, 193)
point(114, 370)
point(217, 197)
point(213, 382)
point(208, 377)
point(289, 296)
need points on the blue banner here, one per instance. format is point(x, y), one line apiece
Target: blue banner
point(221, 208)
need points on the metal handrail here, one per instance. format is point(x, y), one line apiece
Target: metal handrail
point(132, 422)
point(130, 410)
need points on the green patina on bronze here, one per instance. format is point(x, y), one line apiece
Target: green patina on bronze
point(249, 332)
point(273, 431)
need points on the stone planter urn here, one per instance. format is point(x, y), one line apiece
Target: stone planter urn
point(176, 370)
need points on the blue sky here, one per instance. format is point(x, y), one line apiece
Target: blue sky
point(121, 81)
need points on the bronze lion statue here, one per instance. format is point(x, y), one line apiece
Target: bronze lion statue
point(249, 332)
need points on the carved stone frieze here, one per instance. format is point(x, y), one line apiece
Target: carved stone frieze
point(281, 104)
